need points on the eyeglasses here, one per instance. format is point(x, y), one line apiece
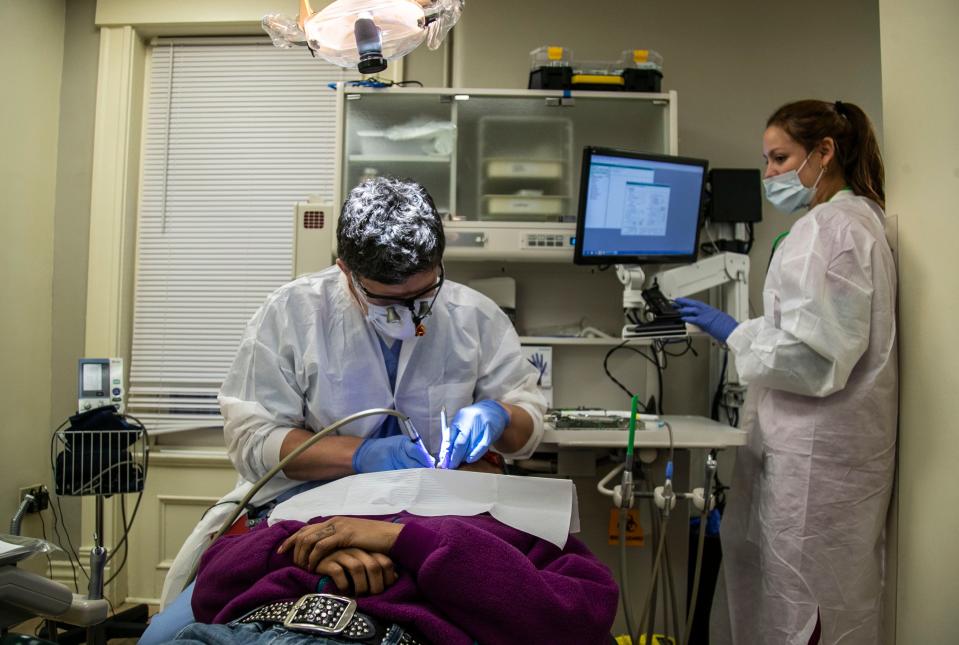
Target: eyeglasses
point(410, 302)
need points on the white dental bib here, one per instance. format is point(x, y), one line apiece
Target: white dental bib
point(546, 508)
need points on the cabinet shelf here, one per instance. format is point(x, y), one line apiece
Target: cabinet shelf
point(571, 340)
point(520, 207)
point(525, 170)
point(575, 341)
point(505, 161)
point(399, 159)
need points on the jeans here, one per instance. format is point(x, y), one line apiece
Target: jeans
point(260, 634)
point(164, 626)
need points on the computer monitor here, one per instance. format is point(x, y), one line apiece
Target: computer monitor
point(638, 208)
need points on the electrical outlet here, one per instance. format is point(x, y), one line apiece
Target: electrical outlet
point(41, 497)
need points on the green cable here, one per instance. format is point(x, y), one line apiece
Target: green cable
point(779, 238)
point(632, 428)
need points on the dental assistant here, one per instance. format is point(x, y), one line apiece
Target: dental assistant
point(382, 328)
point(803, 535)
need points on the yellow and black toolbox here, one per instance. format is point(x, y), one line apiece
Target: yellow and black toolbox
point(554, 68)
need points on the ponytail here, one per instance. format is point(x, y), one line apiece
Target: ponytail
point(857, 149)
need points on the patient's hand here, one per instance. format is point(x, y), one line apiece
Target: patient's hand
point(314, 542)
point(369, 572)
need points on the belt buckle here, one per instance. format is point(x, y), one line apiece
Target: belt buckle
point(327, 613)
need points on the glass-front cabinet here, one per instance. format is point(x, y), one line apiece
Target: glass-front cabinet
point(503, 166)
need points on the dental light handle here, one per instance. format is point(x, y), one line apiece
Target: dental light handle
point(367, 35)
point(369, 44)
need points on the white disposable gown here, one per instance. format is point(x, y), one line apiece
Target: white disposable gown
point(803, 535)
point(309, 357)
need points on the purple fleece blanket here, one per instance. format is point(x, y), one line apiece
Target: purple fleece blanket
point(461, 580)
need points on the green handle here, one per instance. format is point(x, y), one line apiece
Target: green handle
point(632, 426)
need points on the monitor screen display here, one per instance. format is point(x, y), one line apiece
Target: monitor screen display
point(638, 208)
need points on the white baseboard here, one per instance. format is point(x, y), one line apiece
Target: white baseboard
point(136, 600)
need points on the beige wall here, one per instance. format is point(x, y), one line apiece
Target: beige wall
point(72, 217)
point(920, 104)
point(72, 213)
point(201, 17)
point(732, 64)
point(31, 59)
point(46, 177)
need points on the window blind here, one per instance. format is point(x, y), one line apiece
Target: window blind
point(235, 134)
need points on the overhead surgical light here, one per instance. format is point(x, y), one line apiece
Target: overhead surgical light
point(366, 33)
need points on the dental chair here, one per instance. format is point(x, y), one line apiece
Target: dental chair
point(25, 595)
point(102, 453)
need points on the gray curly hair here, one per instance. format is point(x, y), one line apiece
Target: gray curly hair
point(389, 230)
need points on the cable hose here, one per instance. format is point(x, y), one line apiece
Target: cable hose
point(262, 481)
point(674, 607)
point(654, 605)
point(623, 574)
point(21, 511)
point(652, 588)
point(664, 581)
point(691, 611)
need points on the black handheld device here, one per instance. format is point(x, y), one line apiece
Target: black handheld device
point(659, 306)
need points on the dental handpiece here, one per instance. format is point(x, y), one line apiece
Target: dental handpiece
point(445, 429)
point(411, 431)
point(416, 438)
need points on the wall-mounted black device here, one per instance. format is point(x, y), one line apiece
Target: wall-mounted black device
point(735, 195)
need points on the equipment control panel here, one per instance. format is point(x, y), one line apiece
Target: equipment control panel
point(99, 383)
point(544, 240)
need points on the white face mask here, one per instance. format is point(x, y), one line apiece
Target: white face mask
point(787, 192)
point(397, 321)
point(392, 321)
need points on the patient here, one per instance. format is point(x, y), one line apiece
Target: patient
point(447, 579)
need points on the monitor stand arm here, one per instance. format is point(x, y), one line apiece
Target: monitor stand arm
point(727, 272)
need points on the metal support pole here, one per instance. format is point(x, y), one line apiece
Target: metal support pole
point(98, 560)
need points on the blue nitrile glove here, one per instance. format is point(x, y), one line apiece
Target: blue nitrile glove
point(390, 453)
point(473, 430)
point(714, 322)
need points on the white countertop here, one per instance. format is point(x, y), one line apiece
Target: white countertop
point(688, 432)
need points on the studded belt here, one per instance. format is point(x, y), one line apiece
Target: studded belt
point(323, 613)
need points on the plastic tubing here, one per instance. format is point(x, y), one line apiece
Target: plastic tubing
point(710, 472)
point(262, 481)
point(623, 576)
